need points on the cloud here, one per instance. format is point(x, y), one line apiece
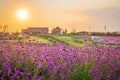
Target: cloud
point(107, 15)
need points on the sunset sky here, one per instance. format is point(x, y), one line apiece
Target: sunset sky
point(69, 14)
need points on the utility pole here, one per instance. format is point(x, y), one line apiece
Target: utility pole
point(89, 29)
point(105, 28)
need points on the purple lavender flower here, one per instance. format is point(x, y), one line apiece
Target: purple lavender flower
point(39, 77)
point(7, 69)
point(29, 76)
point(12, 77)
point(18, 73)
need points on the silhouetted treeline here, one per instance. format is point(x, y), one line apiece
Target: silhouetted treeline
point(4, 28)
point(97, 33)
point(105, 34)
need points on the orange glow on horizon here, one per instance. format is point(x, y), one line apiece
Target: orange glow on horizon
point(77, 14)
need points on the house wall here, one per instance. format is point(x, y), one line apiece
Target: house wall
point(37, 31)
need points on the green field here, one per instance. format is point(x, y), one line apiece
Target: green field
point(70, 40)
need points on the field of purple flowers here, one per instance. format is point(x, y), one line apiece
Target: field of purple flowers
point(35, 61)
point(111, 39)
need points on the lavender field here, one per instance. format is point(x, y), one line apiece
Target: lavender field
point(58, 61)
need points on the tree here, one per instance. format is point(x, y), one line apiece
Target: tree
point(5, 28)
point(0, 28)
point(73, 31)
point(65, 31)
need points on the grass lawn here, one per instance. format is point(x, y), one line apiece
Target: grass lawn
point(70, 39)
point(41, 39)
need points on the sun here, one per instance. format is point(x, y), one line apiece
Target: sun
point(22, 14)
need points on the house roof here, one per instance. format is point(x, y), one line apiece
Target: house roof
point(58, 27)
point(37, 27)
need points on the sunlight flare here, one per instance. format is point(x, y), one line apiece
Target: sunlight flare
point(22, 14)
